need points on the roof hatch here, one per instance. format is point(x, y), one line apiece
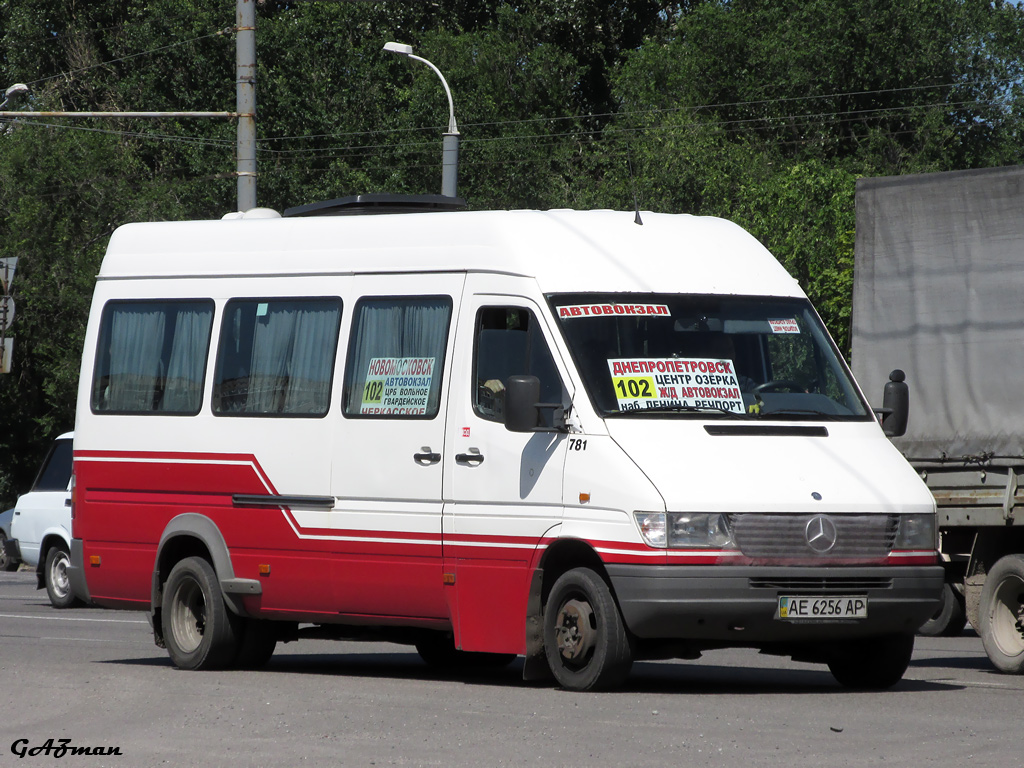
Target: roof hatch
point(378, 203)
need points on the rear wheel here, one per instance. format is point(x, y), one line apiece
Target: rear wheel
point(585, 639)
point(872, 663)
point(1002, 614)
point(199, 630)
point(55, 576)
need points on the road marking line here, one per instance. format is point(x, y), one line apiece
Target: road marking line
point(72, 618)
point(985, 685)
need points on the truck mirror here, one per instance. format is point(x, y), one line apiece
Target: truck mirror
point(895, 404)
point(522, 411)
point(521, 396)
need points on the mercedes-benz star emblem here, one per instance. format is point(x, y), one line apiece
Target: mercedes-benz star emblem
point(821, 534)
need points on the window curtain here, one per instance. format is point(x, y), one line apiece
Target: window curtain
point(273, 341)
point(183, 390)
point(136, 343)
point(398, 328)
point(312, 358)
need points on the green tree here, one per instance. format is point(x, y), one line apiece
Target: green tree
point(761, 111)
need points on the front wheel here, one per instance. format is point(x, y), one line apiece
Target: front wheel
point(6, 563)
point(585, 640)
point(872, 663)
point(199, 630)
point(1002, 614)
point(55, 576)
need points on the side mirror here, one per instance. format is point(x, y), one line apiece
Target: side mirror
point(895, 409)
point(522, 411)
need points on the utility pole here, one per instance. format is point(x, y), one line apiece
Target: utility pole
point(245, 104)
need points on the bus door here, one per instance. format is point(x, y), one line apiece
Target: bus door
point(390, 446)
point(503, 490)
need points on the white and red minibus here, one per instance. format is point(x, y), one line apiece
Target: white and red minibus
point(565, 436)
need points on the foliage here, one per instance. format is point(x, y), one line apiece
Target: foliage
point(762, 111)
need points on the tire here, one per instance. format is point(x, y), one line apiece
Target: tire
point(872, 663)
point(438, 650)
point(950, 619)
point(55, 576)
point(6, 563)
point(585, 640)
point(1002, 614)
point(199, 630)
point(259, 639)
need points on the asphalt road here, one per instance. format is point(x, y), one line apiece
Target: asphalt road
point(95, 678)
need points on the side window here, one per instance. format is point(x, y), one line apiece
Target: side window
point(55, 474)
point(276, 357)
point(396, 356)
point(509, 342)
point(151, 357)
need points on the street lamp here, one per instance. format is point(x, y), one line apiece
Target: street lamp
point(17, 88)
point(450, 146)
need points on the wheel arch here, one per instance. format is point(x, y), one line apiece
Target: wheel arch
point(990, 545)
point(194, 535)
point(560, 556)
point(51, 538)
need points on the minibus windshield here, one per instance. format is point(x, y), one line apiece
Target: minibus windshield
point(729, 357)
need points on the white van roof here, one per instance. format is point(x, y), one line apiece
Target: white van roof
point(564, 250)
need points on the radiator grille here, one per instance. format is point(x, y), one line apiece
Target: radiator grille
point(808, 536)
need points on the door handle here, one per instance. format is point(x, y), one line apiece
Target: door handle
point(473, 457)
point(426, 456)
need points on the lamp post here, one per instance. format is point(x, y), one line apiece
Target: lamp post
point(450, 145)
point(12, 91)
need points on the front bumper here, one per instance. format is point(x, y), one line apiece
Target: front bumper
point(739, 604)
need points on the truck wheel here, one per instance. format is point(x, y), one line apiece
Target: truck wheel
point(200, 631)
point(585, 640)
point(1002, 614)
point(438, 650)
point(55, 576)
point(872, 663)
point(950, 619)
point(6, 563)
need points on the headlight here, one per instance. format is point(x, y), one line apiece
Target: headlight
point(685, 530)
point(916, 532)
point(688, 530)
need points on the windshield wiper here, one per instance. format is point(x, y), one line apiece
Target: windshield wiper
point(798, 412)
point(679, 408)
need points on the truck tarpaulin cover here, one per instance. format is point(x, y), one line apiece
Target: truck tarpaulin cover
point(939, 292)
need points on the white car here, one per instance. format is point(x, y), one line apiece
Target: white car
point(7, 563)
point(41, 528)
